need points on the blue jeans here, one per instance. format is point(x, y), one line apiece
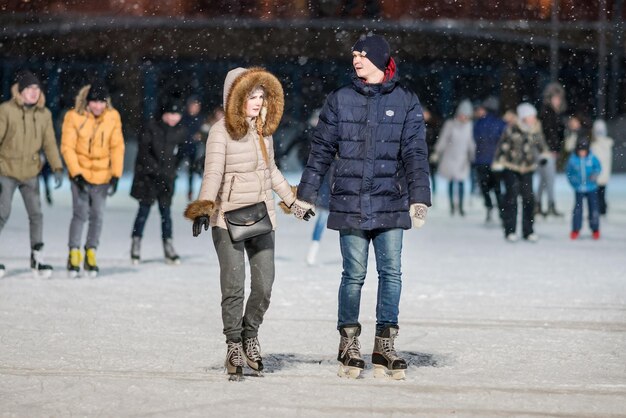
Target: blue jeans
point(354, 245)
point(594, 213)
point(320, 224)
point(142, 218)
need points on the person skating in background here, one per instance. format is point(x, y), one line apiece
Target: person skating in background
point(583, 169)
point(455, 151)
point(193, 121)
point(155, 173)
point(602, 148)
point(93, 149)
point(487, 132)
point(26, 129)
point(433, 126)
point(373, 130)
point(553, 130)
point(519, 152)
point(239, 171)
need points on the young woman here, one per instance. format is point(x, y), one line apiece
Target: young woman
point(239, 171)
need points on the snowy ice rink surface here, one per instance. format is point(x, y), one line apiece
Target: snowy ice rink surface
point(489, 328)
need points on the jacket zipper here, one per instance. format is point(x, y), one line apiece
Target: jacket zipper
point(230, 191)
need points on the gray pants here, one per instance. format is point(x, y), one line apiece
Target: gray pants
point(547, 175)
point(260, 251)
point(29, 189)
point(87, 205)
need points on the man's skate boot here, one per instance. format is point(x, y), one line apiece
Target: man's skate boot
point(170, 254)
point(135, 250)
point(2, 270)
point(234, 360)
point(73, 263)
point(349, 357)
point(252, 350)
point(37, 266)
point(384, 357)
point(91, 266)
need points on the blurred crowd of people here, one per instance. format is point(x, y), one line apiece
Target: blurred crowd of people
point(518, 154)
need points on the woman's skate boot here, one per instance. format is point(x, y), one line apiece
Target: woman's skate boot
point(234, 360)
point(252, 350)
point(384, 358)
point(350, 361)
point(135, 250)
point(170, 254)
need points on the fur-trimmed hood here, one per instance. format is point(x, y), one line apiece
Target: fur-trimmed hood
point(15, 94)
point(80, 104)
point(237, 86)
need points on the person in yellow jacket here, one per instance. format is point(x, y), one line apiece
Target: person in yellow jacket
point(25, 130)
point(93, 149)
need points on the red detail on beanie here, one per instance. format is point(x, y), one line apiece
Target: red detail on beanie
point(390, 71)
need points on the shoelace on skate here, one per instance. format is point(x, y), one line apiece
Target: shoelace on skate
point(235, 354)
point(353, 346)
point(388, 349)
point(253, 348)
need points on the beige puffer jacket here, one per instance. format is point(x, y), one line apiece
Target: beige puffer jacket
point(235, 171)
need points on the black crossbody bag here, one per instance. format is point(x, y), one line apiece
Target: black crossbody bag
point(248, 222)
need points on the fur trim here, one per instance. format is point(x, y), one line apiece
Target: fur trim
point(80, 103)
point(199, 208)
point(274, 103)
point(283, 205)
point(15, 94)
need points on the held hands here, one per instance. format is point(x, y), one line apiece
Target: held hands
point(198, 223)
point(80, 182)
point(112, 186)
point(418, 214)
point(58, 179)
point(302, 210)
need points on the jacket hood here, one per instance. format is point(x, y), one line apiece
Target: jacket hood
point(80, 104)
point(15, 94)
point(237, 86)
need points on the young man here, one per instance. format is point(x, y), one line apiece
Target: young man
point(155, 173)
point(25, 130)
point(93, 149)
point(373, 130)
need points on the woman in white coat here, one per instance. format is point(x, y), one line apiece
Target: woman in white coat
point(455, 151)
point(239, 171)
point(602, 147)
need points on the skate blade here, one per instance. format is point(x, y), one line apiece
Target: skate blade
point(41, 274)
point(2, 273)
point(73, 274)
point(172, 262)
point(92, 274)
point(349, 372)
point(134, 261)
point(381, 372)
point(237, 377)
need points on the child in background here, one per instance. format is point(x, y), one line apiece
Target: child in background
point(583, 169)
point(602, 148)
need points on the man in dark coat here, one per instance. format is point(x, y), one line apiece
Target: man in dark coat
point(155, 173)
point(374, 131)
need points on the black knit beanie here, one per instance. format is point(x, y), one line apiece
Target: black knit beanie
point(25, 79)
point(375, 48)
point(98, 92)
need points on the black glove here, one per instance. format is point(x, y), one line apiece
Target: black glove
point(543, 161)
point(198, 223)
point(80, 182)
point(58, 179)
point(112, 186)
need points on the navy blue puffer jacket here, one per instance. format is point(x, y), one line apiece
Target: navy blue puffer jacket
point(376, 134)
